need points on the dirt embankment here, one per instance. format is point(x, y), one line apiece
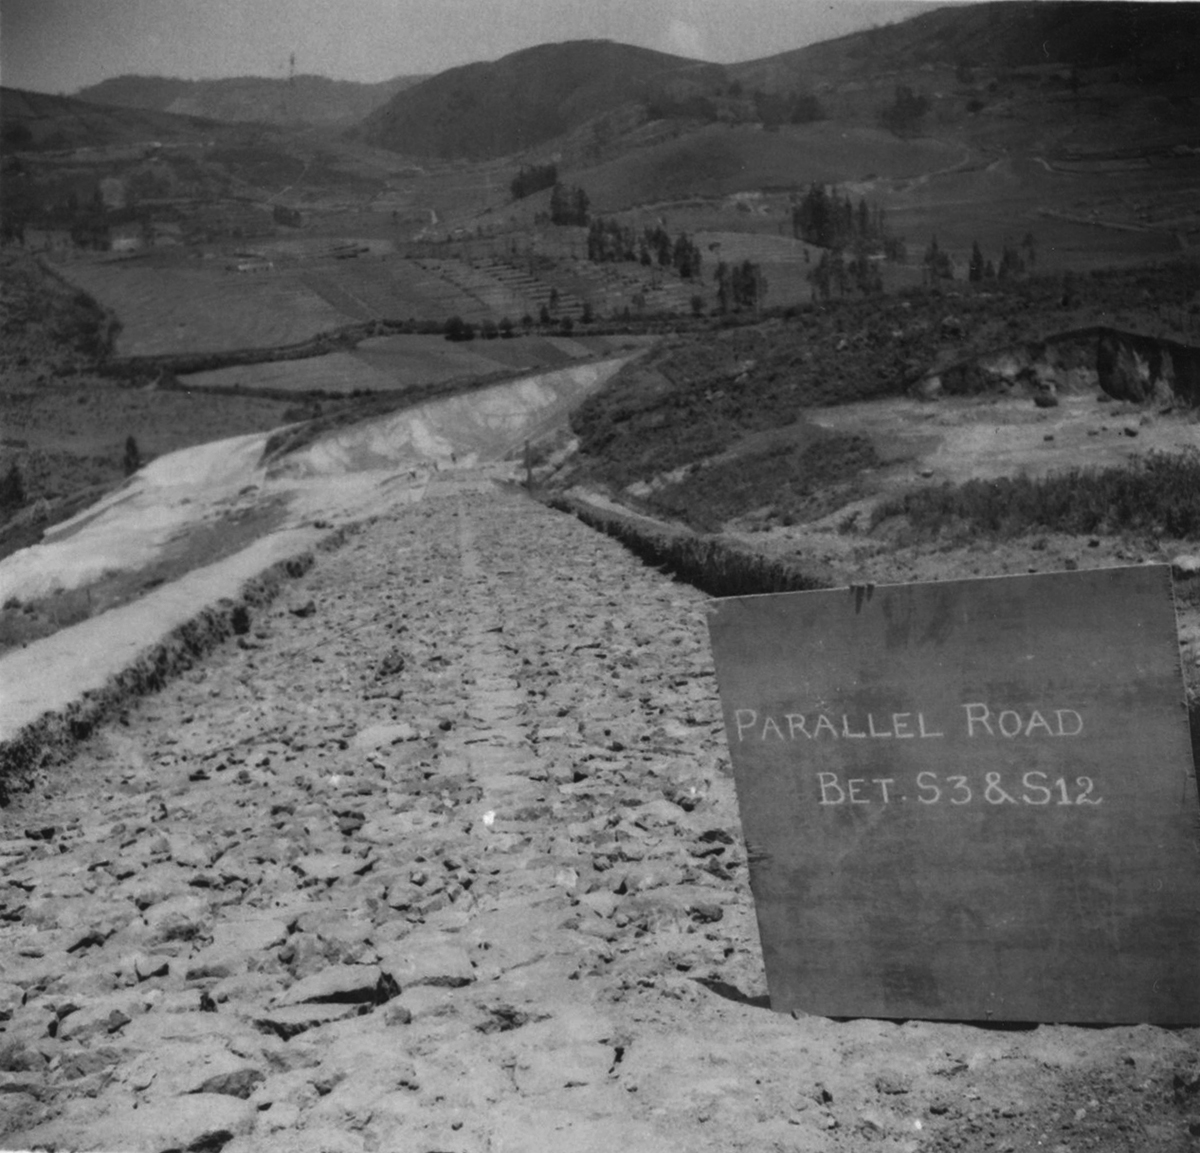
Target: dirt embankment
point(1125, 365)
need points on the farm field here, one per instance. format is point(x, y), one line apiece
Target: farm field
point(1080, 220)
point(396, 363)
point(168, 307)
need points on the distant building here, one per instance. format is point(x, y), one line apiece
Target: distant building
point(48, 239)
point(166, 234)
point(126, 238)
point(112, 192)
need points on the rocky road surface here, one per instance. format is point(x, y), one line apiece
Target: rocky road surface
point(443, 856)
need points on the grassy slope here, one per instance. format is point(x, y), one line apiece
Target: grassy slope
point(718, 160)
point(721, 395)
point(544, 91)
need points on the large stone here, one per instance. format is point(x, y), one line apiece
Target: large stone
point(342, 984)
point(288, 1021)
point(329, 867)
point(427, 958)
point(181, 918)
point(200, 1121)
point(250, 934)
point(379, 736)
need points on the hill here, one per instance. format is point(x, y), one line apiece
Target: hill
point(35, 120)
point(312, 100)
point(543, 92)
point(1146, 43)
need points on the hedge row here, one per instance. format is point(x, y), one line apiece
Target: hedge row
point(713, 565)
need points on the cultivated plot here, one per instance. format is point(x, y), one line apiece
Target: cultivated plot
point(168, 309)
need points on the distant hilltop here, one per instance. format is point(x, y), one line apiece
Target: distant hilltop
point(313, 100)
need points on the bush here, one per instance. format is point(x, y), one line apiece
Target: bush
point(133, 456)
point(12, 490)
point(1159, 495)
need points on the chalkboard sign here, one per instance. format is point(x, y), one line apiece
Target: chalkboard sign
point(969, 800)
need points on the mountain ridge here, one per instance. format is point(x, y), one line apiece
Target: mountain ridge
point(302, 99)
point(544, 91)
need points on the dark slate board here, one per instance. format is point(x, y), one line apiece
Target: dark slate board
point(913, 855)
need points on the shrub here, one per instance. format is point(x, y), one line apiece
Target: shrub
point(12, 489)
point(133, 456)
point(1159, 494)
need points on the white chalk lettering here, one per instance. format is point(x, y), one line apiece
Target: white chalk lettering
point(744, 719)
point(796, 724)
point(1009, 722)
point(994, 793)
point(982, 720)
point(846, 729)
point(1030, 785)
point(1062, 732)
point(829, 781)
point(988, 788)
point(1037, 721)
point(921, 727)
point(871, 727)
point(823, 722)
point(974, 715)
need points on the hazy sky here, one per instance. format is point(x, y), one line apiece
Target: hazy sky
point(65, 45)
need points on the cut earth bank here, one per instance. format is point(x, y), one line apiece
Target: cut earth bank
point(192, 527)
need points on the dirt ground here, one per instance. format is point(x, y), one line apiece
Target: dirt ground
point(443, 855)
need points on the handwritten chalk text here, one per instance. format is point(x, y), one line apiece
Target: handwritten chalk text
point(979, 720)
point(1034, 788)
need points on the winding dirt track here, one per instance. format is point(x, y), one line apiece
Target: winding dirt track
point(443, 855)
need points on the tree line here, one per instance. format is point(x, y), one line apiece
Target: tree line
point(828, 220)
point(608, 240)
point(854, 237)
point(1015, 261)
point(533, 179)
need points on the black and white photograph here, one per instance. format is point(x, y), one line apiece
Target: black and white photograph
point(599, 578)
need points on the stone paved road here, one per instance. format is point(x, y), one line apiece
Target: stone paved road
point(442, 855)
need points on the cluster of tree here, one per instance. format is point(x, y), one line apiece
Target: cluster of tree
point(938, 265)
point(825, 218)
point(831, 221)
point(457, 329)
point(859, 273)
point(534, 179)
point(662, 105)
point(1014, 261)
point(740, 285)
point(12, 490)
point(905, 113)
point(609, 240)
point(568, 205)
point(778, 108)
